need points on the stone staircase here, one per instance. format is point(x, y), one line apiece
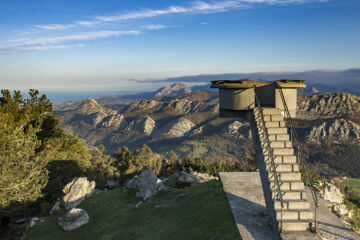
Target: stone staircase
point(296, 214)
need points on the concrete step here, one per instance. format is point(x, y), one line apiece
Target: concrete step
point(289, 185)
point(295, 225)
point(284, 167)
point(275, 124)
point(290, 176)
point(283, 151)
point(278, 137)
point(295, 214)
point(280, 144)
point(273, 118)
point(291, 195)
point(271, 111)
point(293, 205)
point(277, 130)
point(282, 159)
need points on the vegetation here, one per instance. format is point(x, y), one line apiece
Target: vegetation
point(197, 212)
point(332, 159)
point(351, 189)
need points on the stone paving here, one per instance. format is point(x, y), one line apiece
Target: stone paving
point(246, 199)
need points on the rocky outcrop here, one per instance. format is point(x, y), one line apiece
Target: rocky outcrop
point(142, 124)
point(332, 193)
point(115, 121)
point(73, 219)
point(195, 177)
point(173, 89)
point(240, 129)
point(183, 106)
point(145, 106)
point(338, 129)
point(147, 184)
point(328, 105)
point(76, 191)
point(90, 106)
point(176, 128)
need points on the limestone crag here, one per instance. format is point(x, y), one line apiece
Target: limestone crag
point(114, 121)
point(176, 128)
point(76, 191)
point(241, 129)
point(142, 124)
point(338, 129)
point(173, 89)
point(328, 105)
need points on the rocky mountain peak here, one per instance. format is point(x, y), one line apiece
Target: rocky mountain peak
point(90, 106)
point(328, 105)
point(338, 129)
point(173, 89)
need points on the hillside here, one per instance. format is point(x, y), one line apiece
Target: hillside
point(188, 124)
point(188, 119)
point(197, 212)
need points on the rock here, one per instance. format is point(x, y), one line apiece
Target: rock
point(240, 129)
point(76, 191)
point(74, 218)
point(33, 221)
point(340, 209)
point(195, 177)
point(139, 204)
point(142, 124)
point(176, 88)
point(110, 184)
point(157, 207)
point(55, 208)
point(332, 194)
point(146, 183)
point(176, 128)
point(339, 129)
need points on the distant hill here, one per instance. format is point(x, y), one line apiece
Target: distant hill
point(188, 124)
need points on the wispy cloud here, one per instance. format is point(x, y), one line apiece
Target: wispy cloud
point(26, 44)
point(154, 27)
point(195, 7)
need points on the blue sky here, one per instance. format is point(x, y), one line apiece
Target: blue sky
point(102, 44)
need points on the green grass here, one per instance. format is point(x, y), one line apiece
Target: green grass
point(351, 199)
point(352, 182)
point(197, 212)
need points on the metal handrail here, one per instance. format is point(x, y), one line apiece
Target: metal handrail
point(301, 157)
point(278, 195)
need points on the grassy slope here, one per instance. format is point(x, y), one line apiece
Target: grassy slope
point(352, 199)
point(202, 213)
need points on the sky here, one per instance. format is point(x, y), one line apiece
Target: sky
point(93, 45)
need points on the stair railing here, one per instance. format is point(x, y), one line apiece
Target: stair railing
point(300, 159)
point(267, 147)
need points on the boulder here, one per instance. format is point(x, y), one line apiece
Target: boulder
point(332, 194)
point(195, 177)
point(147, 184)
point(76, 191)
point(74, 218)
point(341, 210)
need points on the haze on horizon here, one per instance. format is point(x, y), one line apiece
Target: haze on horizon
point(102, 45)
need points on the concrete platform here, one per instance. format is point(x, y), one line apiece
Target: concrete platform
point(246, 199)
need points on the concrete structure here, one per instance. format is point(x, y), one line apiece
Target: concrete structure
point(238, 97)
point(279, 168)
